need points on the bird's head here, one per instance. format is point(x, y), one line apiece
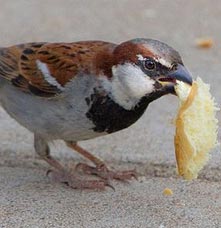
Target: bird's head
point(145, 67)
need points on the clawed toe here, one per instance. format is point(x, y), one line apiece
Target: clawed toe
point(125, 175)
point(106, 174)
point(73, 181)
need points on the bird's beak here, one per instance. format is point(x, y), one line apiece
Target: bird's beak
point(179, 74)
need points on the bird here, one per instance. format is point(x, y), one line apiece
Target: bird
point(82, 90)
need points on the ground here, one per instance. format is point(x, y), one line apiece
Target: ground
point(29, 199)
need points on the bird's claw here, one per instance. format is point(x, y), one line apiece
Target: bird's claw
point(106, 174)
point(75, 182)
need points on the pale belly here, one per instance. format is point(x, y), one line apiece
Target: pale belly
point(60, 118)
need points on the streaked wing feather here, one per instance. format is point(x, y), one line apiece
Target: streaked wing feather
point(44, 69)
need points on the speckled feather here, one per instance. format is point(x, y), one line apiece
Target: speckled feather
point(64, 61)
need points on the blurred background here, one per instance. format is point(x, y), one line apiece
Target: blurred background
point(176, 22)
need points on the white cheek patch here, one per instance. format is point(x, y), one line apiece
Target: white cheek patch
point(135, 82)
point(130, 84)
point(47, 76)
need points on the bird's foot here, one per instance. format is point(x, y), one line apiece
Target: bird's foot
point(106, 174)
point(73, 181)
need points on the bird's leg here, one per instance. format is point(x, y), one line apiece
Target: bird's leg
point(100, 168)
point(60, 174)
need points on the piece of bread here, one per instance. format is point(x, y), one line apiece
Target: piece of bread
point(196, 127)
point(167, 192)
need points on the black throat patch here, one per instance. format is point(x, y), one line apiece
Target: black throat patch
point(110, 117)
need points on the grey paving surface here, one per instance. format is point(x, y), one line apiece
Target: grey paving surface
point(29, 199)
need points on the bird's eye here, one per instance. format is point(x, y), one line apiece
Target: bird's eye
point(174, 67)
point(149, 64)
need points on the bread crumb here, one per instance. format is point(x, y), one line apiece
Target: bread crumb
point(204, 43)
point(167, 192)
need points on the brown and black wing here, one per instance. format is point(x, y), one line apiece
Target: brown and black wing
point(43, 68)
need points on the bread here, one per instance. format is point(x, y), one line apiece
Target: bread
point(196, 128)
point(167, 192)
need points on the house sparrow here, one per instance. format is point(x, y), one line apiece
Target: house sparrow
point(82, 90)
